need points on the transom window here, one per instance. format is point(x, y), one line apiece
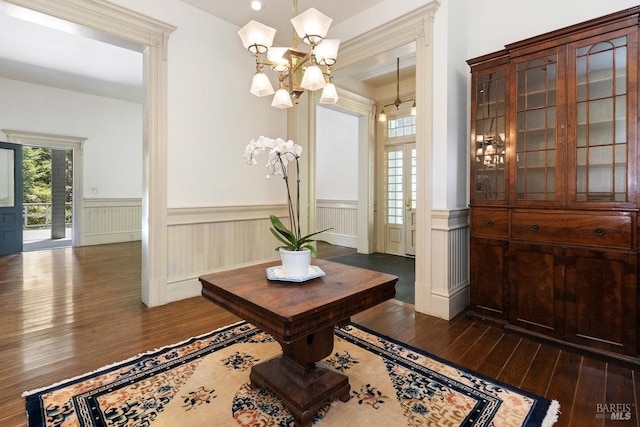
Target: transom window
point(401, 126)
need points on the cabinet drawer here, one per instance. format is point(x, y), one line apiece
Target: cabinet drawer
point(573, 229)
point(490, 222)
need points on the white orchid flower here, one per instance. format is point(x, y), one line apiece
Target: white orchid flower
point(282, 152)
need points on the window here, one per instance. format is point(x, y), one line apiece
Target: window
point(402, 126)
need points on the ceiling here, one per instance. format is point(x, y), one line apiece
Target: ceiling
point(376, 71)
point(43, 50)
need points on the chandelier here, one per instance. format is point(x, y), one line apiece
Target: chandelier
point(297, 70)
point(382, 117)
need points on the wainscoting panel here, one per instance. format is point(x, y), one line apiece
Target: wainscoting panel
point(450, 263)
point(210, 239)
point(112, 220)
point(341, 216)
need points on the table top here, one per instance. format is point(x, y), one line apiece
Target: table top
point(292, 310)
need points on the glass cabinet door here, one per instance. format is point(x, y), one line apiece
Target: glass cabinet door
point(536, 152)
point(489, 147)
point(601, 95)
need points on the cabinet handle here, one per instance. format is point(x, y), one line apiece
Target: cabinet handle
point(535, 227)
point(490, 223)
point(599, 231)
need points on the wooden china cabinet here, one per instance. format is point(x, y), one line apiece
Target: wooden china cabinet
point(554, 197)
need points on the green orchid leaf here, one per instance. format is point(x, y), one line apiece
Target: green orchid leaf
point(291, 246)
point(280, 227)
point(313, 250)
point(308, 238)
point(289, 240)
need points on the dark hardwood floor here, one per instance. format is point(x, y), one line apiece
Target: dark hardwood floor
point(68, 311)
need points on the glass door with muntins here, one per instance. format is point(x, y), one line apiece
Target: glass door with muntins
point(537, 129)
point(600, 104)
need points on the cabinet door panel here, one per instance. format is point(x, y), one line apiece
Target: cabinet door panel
point(488, 276)
point(488, 120)
point(602, 114)
point(539, 125)
point(601, 295)
point(536, 288)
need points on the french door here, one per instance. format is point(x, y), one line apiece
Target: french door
point(10, 198)
point(400, 190)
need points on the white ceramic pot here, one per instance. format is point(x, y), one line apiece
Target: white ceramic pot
point(295, 263)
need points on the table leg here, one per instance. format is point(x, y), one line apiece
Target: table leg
point(295, 377)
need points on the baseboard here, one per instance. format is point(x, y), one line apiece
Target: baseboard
point(179, 288)
point(183, 289)
point(449, 306)
point(106, 238)
point(340, 239)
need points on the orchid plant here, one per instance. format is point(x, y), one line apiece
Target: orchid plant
point(281, 153)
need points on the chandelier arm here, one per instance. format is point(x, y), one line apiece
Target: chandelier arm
point(283, 76)
point(267, 62)
point(301, 61)
point(398, 105)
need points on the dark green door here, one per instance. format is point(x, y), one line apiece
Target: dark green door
point(10, 198)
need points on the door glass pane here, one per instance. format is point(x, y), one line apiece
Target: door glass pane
point(601, 168)
point(490, 136)
point(395, 195)
point(414, 178)
point(536, 129)
point(7, 196)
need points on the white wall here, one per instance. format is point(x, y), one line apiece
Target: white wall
point(113, 128)
point(450, 106)
point(501, 22)
point(211, 114)
point(337, 155)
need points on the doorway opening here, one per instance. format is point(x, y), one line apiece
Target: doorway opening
point(47, 214)
point(62, 148)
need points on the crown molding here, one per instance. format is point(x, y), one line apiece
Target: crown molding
point(403, 30)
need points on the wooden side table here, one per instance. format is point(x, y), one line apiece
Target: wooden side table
point(301, 317)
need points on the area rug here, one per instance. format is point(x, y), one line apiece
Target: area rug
point(205, 382)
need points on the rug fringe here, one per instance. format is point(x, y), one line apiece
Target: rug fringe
point(68, 380)
point(552, 414)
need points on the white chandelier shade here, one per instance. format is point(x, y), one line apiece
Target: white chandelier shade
point(313, 78)
point(329, 94)
point(275, 55)
point(257, 37)
point(311, 26)
point(327, 51)
point(282, 99)
point(260, 85)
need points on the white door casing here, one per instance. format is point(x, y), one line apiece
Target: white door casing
point(114, 24)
